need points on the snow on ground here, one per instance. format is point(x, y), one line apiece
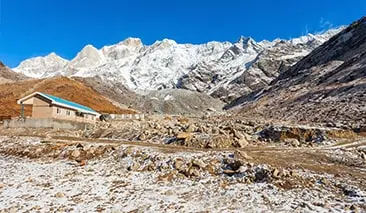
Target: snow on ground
point(105, 186)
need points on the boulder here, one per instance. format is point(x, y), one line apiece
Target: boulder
point(292, 141)
point(241, 143)
point(199, 163)
point(239, 154)
point(184, 136)
point(59, 195)
point(75, 154)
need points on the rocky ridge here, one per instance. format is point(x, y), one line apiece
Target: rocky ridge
point(327, 86)
point(221, 69)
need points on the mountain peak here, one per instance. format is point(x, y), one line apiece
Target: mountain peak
point(88, 51)
point(245, 40)
point(52, 54)
point(88, 47)
point(55, 57)
point(134, 42)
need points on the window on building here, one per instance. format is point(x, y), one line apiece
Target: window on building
point(58, 111)
point(79, 114)
point(68, 112)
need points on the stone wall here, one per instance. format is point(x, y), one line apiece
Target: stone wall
point(44, 123)
point(127, 116)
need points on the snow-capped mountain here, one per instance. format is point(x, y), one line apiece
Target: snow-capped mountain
point(221, 69)
point(40, 67)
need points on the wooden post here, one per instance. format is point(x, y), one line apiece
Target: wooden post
point(22, 110)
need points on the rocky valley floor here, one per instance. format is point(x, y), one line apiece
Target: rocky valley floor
point(248, 167)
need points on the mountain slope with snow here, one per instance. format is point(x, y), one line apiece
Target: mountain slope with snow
point(326, 86)
point(222, 69)
point(41, 67)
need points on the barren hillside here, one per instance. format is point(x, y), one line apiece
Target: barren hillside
point(7, 75)
point(170, 101)
point(60, 86)
point(328, 85)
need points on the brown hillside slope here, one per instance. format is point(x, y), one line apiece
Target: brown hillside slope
point(60, 86)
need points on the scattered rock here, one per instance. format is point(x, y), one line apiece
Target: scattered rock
point(59, 195)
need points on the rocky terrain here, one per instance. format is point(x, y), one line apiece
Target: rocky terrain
point(222, 69)
point(167, 101)
point(109, 168)
point(327, 86)
point(296, 143)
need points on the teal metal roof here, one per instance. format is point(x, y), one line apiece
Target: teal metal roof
point(69, 103)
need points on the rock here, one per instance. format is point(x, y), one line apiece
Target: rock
point(229, 172)
point(190, 128)
point(184, 135)
point(199, 163)
point(179, 165)
point(193, 171)
point(293, 173)
point(141, 137)
point(234, 164)
point(211, 169)
point(261, 175)
point(75, 153)
point(220, 141)
point(276, 173)
point(324, 181)
point(90, 152)
point(363, 155)
point(239, 154)
point(79, 145)
point(169, 193)
point(134, 167)
point(242, 143)
point(13, 210)
point(82, 163)
point(238, 135)
point(293, 142)
point(60, 195)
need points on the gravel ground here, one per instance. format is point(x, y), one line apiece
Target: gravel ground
point(104, 185)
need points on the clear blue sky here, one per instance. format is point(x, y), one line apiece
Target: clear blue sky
point(31, 28)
